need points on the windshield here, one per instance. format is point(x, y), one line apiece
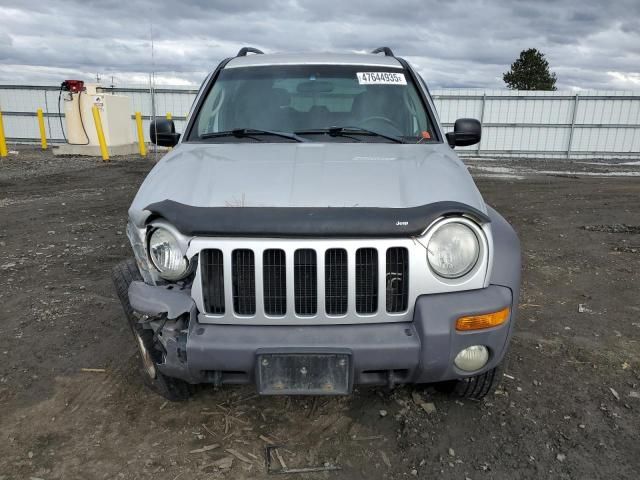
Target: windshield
point(347, 103)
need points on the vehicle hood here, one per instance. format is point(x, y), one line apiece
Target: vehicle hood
point(307, 175)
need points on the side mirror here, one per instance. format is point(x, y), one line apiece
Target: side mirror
point(466, 131)
point(162, 132)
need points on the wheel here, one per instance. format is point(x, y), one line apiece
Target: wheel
point(472, 388)
point(172, 389)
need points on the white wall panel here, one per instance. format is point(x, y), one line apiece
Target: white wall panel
point(515, 123)
point(605, 123)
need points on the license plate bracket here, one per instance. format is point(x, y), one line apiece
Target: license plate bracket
point(303, 373)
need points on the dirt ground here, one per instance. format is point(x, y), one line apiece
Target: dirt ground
point(568, 405)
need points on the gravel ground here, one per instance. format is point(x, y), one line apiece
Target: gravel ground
point(568, 406)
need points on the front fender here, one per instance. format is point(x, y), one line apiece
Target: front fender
point(507, 262)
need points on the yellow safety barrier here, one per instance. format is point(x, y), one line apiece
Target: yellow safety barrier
point(169, 117)
point(100, 132)
point(3, 140)
point(43, 133)
point(141, 144)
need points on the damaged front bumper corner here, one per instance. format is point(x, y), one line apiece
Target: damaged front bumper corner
point(168, 311)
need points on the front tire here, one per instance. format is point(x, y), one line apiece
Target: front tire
point(473, 388)
point(172, 389)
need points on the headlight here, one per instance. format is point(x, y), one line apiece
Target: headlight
point(166, 255)
point(453, 250)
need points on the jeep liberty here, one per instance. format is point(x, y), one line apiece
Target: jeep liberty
point(312, 230)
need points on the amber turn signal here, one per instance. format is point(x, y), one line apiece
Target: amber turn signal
point(479, 322)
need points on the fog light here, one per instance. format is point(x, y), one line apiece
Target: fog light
point(472, 358)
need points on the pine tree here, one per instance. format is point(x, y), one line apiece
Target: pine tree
point(530, 72)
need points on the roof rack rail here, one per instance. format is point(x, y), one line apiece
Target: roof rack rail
point(244, 50)
point(387, 51)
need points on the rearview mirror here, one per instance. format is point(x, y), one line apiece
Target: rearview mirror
point(315, 86)
point(162, 132)
point(466, 131)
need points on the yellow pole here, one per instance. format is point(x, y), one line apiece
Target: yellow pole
point(169, 117)
point(43, 133)
point(103, 143)
point(141, 144)
point(3, 140)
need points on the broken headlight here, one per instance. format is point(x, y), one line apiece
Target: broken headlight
point(166, 255)
point(138, 244)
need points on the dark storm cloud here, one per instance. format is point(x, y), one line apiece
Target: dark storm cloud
point(454, 43)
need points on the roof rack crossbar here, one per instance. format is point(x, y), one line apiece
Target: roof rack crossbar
point(386, 50)
point(244, 50)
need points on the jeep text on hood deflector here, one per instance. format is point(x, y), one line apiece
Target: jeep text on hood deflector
point(388, 183)
point(306, 222)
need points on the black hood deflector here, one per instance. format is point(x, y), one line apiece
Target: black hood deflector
point(306, 221)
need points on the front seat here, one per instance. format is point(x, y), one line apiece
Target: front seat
point(263, 108)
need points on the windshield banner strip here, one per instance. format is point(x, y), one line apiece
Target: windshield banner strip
point(381, 78)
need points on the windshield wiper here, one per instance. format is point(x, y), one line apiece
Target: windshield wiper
point(251, 132)
point(345, 131)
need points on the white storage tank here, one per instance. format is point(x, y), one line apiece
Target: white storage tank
point(115, 113)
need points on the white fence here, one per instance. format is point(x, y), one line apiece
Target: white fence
point(19, 104)
point(588, 124)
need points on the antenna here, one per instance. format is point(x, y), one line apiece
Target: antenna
point(152, 87)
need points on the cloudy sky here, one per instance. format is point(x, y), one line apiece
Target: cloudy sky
point(589, 43)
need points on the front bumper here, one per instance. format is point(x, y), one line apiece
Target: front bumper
point(420, 351)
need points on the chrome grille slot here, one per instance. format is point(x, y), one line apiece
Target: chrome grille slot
point(336, 291)
point(366, 280)
point(305, 282)
point(397, 279)
point(274, 282)
point(213, 280)
point(244, 283)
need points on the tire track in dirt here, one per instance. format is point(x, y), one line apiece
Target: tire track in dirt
point(100, 385)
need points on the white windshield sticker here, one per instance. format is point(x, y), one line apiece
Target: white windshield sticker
point(381, 78)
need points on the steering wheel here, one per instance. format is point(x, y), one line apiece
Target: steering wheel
point(379, 119)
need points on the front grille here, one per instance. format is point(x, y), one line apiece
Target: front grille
point(213, 281)
point(336, 291)
point(244, 284)
point(366, 280)
point(397, 279)
point(305, 282)
point(274, 274)
point(287, 280)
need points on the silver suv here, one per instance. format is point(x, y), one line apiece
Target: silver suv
point(312, 230)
